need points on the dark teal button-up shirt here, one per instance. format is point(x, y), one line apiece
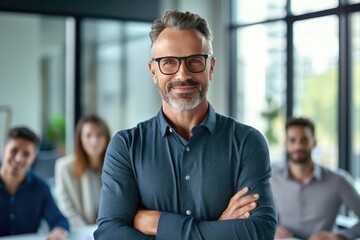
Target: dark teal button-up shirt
point(23, 211)
point(190, 182)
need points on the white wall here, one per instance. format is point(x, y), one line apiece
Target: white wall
point(19, 69)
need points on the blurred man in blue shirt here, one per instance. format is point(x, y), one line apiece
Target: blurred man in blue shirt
point(25, 199)
point(189, 172)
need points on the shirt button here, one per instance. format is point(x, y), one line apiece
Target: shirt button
point(170, 129)
point(187, 177)
point(188, 212)
point(187, 149)
point(12, 199)
point(12, 216)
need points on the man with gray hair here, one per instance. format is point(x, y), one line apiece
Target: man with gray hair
point(189, 172)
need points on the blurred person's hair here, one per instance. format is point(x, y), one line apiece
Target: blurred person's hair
point(81, 158)
point(300, 121)
point(24, 133)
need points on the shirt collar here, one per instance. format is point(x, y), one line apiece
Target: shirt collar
point(209, 121)
point(28, 179)
point(316, 174)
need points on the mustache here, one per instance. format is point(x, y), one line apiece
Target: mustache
point(188, 82)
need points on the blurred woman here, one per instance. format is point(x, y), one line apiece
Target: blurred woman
point(78, 176)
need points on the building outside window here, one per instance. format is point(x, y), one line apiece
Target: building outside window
point(300, 58)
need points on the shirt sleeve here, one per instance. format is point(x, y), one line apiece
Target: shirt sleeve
point(119, 188)
point(255, 174)
point(352, 199)
point(52, 214)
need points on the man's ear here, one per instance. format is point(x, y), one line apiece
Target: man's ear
point(152, 71)
point(212, 67)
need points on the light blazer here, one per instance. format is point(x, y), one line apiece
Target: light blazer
point(75, 196)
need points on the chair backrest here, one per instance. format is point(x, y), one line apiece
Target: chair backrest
point(44, 164)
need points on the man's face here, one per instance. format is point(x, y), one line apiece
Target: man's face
point(183, 90)
point(299, 143)
point(18, 155)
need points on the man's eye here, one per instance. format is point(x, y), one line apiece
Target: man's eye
point(13, 151)
point(168, 61)
point(26, 154)
point(194, 61)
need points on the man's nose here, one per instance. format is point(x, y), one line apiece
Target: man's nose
point(183, 71)
point(299, 145)
point(19, 157)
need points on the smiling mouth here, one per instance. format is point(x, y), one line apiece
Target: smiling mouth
point(184, 86)
point(16, 168)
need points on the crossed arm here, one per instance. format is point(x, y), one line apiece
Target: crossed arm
point(146, 221)
point(235, 221)
point(121, 218)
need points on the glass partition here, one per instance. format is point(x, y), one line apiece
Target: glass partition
point(248, 11)
point(32, 82)
point(355, 42)
point(261, 84)
point(116, 82)
point(316, 56)
point(32, 72)
point(308, 6)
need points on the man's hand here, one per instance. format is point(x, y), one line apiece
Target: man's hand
point(240, 205)
point(146, 221)
point(282, 232)
point(58, 233)
point(324, 235)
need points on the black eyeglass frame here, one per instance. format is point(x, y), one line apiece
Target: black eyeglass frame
point(205, 56)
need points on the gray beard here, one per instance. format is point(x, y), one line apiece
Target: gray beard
point(184, 104)
point(179, 105)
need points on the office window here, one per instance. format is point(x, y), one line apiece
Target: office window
point(316, 58)
point(32, 73)
point(307, 6)
point(116, 82)
point(258, 10)
point(310, 46)
point(261, 82)
point(355, 42)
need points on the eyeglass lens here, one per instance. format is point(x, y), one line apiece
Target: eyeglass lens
point(171, 65)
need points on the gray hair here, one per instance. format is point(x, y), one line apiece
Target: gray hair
point(180, 21)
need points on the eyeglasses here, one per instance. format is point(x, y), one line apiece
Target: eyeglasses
point(171, 65)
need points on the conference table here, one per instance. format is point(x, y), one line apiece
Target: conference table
point(82, 233)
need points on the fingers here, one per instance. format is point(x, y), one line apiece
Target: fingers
point(239, 194)
point(244, 201)
point(240, 205)
point(240, 200)
point(244, 212)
